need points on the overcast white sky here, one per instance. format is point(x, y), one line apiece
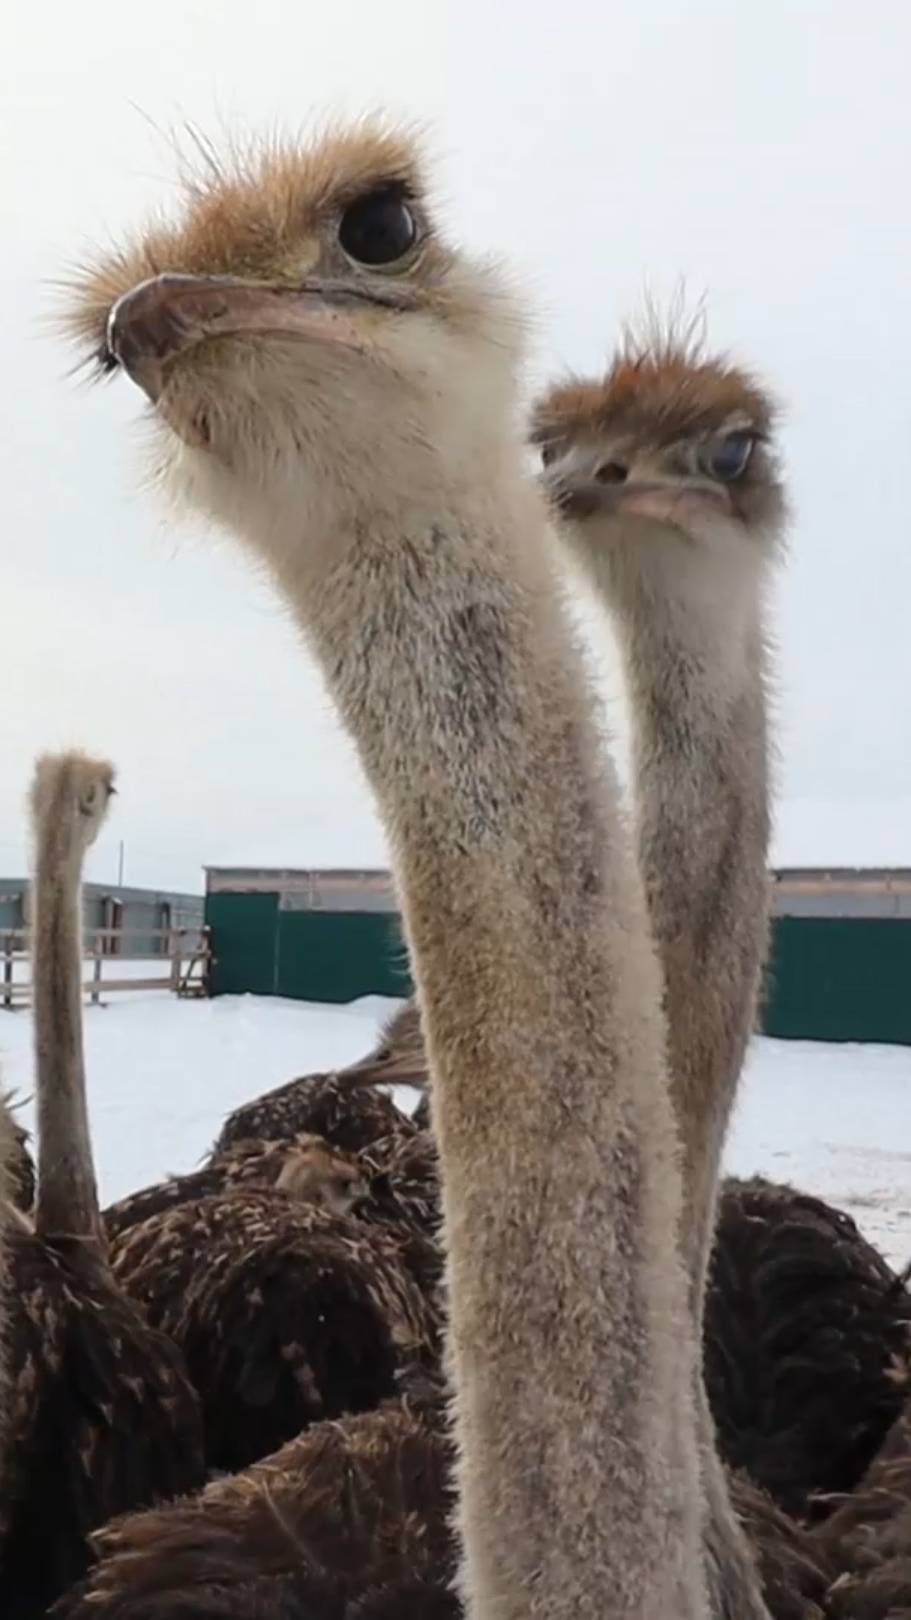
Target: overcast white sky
point(761, 153)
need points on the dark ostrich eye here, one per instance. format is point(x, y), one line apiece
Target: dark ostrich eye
point(727, 458)
point(378, 229)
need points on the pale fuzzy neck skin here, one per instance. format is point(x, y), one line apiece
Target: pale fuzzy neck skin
point(66, 1203)
point(689, 622)
point(436, 618)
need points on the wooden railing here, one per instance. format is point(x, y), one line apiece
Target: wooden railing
point(182, 954)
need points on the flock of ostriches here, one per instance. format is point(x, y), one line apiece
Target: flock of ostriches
point(522, 1354)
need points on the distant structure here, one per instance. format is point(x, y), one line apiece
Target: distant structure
point(144, 915)
point(313, 935)
point(839, 966)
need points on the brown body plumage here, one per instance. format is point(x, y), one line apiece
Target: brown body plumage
point(807, 1343)
point(292, 1317)
point(20, 1169)
point(102, 1416)
point(405, 1196)
point(333, 1106)
point(360, 1510)
point(807, 1336)
point(286, 1313)
point(868, 1535)
point(364, 1502)
point(303, 1165)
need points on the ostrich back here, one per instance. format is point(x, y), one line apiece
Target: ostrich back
point(347, 1115)
point(245, 1164)
point(361, 1510)
point(286, 1314)
point(807, 1343)
point(104, 1419)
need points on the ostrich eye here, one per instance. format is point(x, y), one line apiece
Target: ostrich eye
point(378, 229)
point(727, 458)
point(548, 453)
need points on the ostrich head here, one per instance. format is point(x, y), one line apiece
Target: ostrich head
point(316, 1173)
point(400, 1058)
point(72, 792)
point(670, 437)
point(302, 330)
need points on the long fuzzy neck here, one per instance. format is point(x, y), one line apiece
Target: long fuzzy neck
point(67, 1197)
point(448, 652)
point(691, 634)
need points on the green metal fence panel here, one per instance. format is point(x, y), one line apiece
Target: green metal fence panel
point(839, 979)
point(829, 978)
point(340, 955)
point(244, 943)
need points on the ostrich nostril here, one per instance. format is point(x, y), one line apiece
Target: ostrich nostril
point(611, 472)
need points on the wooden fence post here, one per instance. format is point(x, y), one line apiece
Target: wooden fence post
point(97, 952)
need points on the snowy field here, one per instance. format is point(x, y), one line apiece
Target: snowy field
point(835, 1120)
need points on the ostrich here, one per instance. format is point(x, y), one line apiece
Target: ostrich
point(296, 1314)
point(20, 1165)
point(304, 1166)
point(666, 469)
point(398, 1057)
point(101, 1417)
point(337, 385)
point(666, 472)
point(807, 1344)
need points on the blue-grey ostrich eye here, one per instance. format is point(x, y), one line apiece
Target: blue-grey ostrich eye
point(378, 229)
point(727, 458)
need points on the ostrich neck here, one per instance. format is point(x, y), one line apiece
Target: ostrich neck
point(67, 1197)
point(695, 671)
point(695, 665)
point(449, 656)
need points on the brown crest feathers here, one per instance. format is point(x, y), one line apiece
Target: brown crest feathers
point(663, 387)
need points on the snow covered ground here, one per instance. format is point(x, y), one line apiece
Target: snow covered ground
point(163, 1073)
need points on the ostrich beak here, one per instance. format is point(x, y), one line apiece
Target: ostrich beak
point(673, 503)
point(165, 317)
point(396, 1069)
point(576, 484)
